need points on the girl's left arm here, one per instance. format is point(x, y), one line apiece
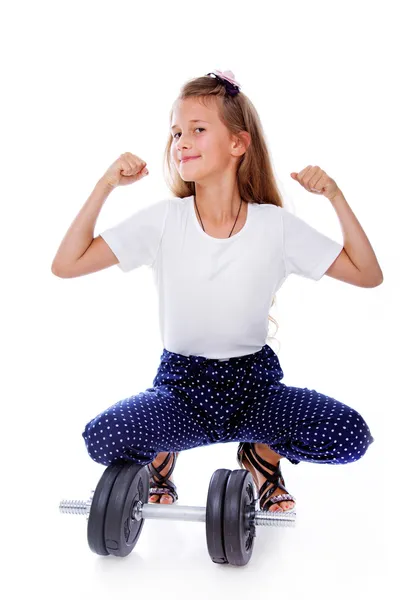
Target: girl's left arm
point(357, 263)
point(356, 242)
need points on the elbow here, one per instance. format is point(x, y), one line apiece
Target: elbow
point(379, 280)
point(375, 282)
point(55, 271)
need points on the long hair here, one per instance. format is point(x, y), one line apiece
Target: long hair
point(255, 178)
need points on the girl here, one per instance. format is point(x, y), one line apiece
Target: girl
point(219, 250)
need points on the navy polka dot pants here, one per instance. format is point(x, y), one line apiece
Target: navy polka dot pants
point(196, 401)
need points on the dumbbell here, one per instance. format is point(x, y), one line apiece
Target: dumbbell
point(117, 509)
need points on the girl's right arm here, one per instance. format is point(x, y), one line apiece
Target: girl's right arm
point(79, 253)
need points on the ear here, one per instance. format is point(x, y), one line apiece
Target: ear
point(242, 141)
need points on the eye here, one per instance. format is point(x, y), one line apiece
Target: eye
point(202, 128)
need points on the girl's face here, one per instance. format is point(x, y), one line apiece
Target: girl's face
point(208, 139)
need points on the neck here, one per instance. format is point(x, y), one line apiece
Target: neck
point(218, 209)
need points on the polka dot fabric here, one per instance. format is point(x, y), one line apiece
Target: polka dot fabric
point(197, 401)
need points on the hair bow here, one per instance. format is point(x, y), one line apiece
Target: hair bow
point(227, 78)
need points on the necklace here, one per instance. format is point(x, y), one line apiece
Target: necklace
point(241, 200)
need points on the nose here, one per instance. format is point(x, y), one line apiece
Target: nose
point(181, 144)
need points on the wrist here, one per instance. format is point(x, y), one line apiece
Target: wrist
point(105, 185)
point(337, 196)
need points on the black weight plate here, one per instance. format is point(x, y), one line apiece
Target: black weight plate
point(214, 515)
point(239, 514)
point(121, 530)
point(95, 526)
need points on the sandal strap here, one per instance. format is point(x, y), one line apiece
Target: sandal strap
point(244, 449)
point(266, 504)
point(272, 488)
point(167, 489)
point(160, 490)
point(155, 472)
point(275, 476)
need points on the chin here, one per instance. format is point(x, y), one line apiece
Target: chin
point(192, 176)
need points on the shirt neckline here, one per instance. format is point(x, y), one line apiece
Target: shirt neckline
point(210, 237)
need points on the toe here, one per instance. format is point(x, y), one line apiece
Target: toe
point(287, 505)
point(154, 498)
point(166, 499)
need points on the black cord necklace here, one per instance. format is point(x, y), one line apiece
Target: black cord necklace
point(241, 200)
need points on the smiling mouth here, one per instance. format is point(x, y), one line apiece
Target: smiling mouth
point(188, 159)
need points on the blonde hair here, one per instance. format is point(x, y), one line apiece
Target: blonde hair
point(255, 178)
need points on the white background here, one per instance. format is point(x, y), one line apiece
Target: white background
point(84, 82)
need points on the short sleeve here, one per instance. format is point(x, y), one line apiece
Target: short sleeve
point(136, 240)
point(307, 251)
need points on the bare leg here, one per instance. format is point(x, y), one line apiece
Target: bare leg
point(267, 453)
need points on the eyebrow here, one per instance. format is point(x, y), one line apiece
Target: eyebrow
point(192, 121)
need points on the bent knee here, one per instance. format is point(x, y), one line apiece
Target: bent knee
point(112, 444)
point(100, 443)
point(355, 437)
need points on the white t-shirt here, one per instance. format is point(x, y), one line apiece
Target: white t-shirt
point(214, 295)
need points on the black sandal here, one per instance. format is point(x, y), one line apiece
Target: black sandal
point(248, 450)
point(161, 484)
